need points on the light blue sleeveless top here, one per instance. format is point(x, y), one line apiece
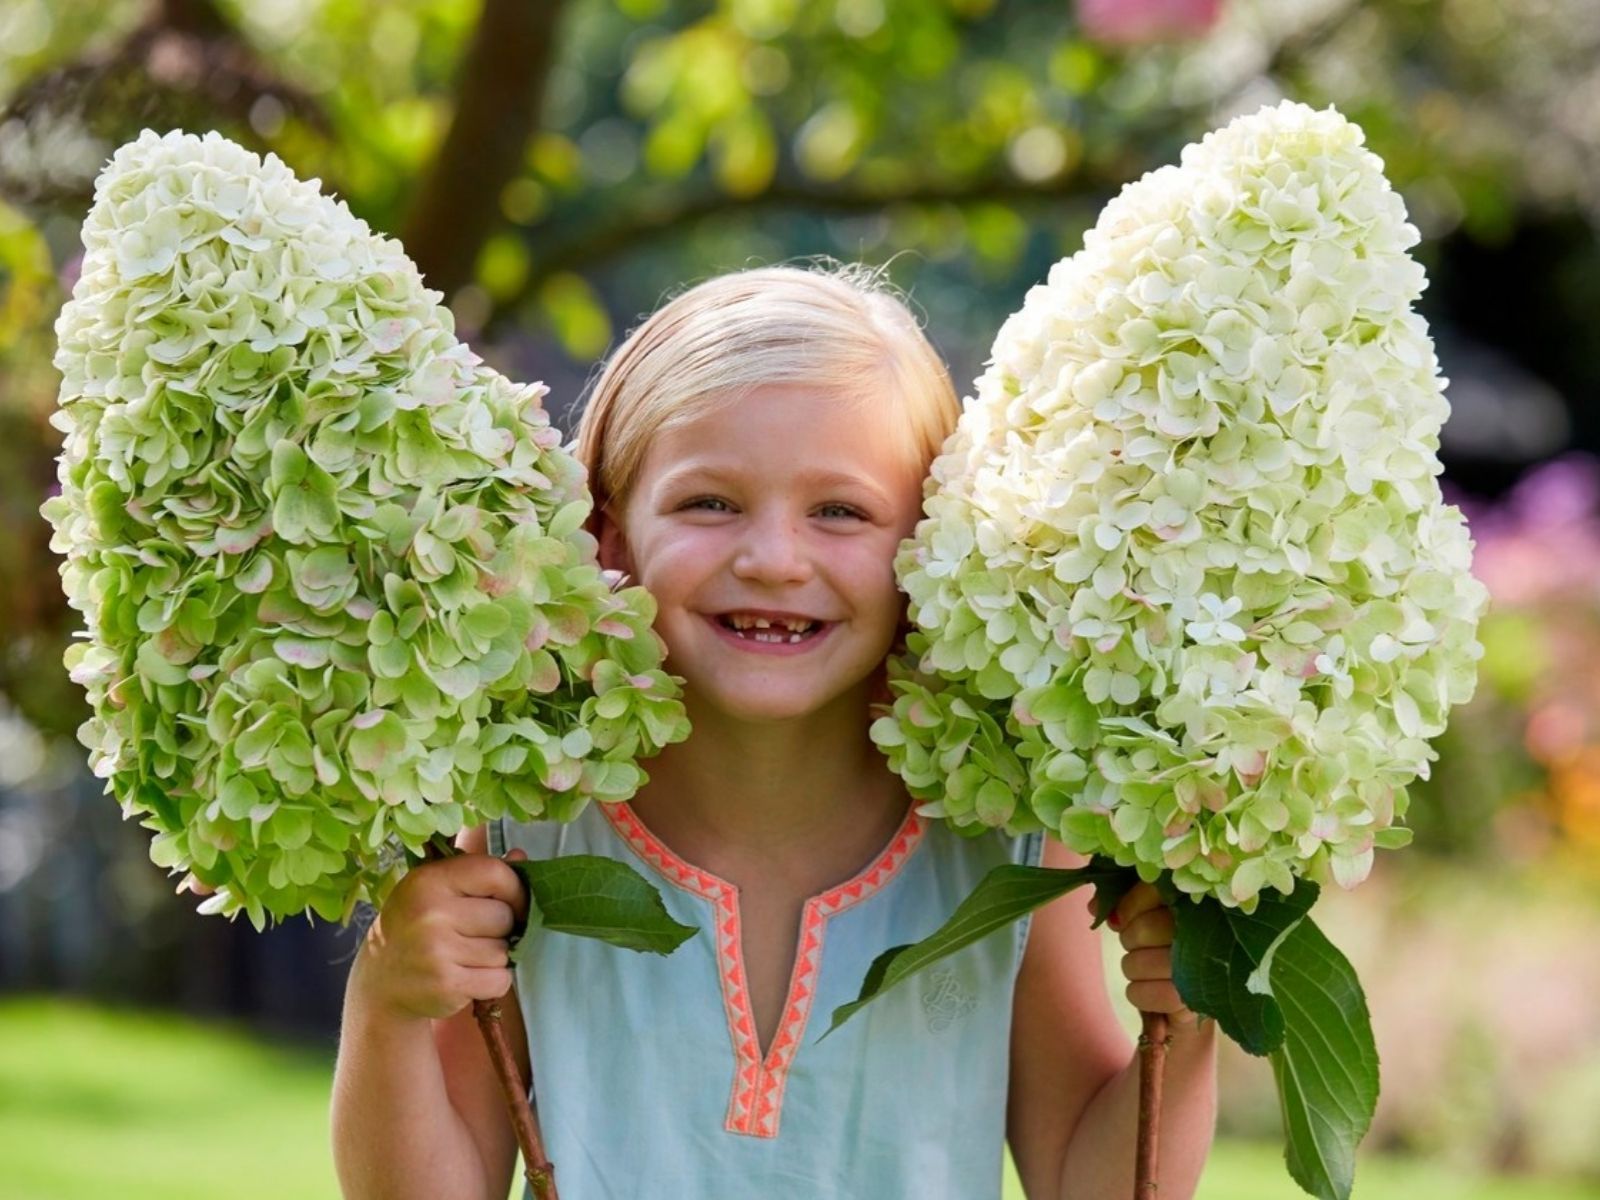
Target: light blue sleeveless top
point(647, 1075)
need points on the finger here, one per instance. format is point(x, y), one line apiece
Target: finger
point(1140, 965)
point(481, 953)
point(481, 875)
point(476, 917)
point(1142, 897)
point(1155, 997)
point(1153, 928)
point(517, 855)
point(486, 983)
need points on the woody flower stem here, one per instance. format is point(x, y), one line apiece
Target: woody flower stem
point(1153, 1043)
point(538, 1169)
point(540, 1172)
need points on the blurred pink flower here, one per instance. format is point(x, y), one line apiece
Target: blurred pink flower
point(1135, 22)
point(1542, 543)
point(70, 270)
point(1563, 490)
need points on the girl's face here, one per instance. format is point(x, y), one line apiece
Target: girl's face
point(767, 531)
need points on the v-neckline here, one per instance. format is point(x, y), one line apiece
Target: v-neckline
point(755, 1106)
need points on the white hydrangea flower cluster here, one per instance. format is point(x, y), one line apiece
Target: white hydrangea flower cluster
point(1186, 594)
point(338, 594)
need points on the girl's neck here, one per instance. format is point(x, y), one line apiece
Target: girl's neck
point(812, 796)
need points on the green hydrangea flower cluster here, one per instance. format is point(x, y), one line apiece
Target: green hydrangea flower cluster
point(1186, 594)
point(338, 594)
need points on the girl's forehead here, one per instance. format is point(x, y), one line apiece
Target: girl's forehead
point(788, 430)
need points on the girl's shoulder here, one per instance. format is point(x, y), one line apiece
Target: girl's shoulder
point(966, 852)
point(584, 834)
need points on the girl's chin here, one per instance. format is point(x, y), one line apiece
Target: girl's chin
point(769, 704)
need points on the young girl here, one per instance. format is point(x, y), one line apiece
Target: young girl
point(757, 451)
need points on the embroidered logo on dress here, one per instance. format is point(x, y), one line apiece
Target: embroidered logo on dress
point(945, 999)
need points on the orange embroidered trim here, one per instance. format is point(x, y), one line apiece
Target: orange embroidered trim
point(756, 1104)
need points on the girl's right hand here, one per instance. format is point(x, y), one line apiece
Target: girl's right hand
point(440, 941)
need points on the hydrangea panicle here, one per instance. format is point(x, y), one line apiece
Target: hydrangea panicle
point(1185, 592)
point(338, 597)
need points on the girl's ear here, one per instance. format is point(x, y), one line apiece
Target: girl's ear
point(613, 546)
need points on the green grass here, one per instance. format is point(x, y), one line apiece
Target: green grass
point(101, 1103)
point(1255, 1171)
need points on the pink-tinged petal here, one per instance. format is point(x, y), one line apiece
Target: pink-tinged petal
point(1250, 766)
point(568, 625)
point(1137, 22)
point(378, 741)
point(545, 673)
point(539, 634)
point(1352, 869)
point(302, 652)
point(255, 578)
point(563, 776)
point(614, 629)
point(388, 336)
point(1213, 795)
point(236, 541)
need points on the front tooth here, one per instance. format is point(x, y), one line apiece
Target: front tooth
point(763, 623)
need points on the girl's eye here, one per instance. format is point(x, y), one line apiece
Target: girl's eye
point(843, 510)
point(832, 511)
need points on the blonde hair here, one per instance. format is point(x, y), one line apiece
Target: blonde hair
point(838, 328)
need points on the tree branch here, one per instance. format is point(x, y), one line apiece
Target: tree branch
point(594, 234)
point(499, 98)
point(585, 241)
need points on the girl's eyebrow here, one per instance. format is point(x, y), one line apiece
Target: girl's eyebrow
point(816, 478)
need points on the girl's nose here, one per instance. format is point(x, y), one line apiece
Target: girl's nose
point(773, 550)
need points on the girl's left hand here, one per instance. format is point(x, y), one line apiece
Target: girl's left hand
point(1145, 925)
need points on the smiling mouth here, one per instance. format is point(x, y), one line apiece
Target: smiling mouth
point(772, 632)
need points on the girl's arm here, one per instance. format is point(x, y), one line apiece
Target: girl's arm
point(417, 1110)
point(1073, 1110)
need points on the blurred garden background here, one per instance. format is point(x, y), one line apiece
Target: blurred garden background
point(557, 168)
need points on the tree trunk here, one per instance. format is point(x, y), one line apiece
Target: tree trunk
point(499, 96)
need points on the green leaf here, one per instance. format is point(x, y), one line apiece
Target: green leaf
point(1006, 893)
point(592, 896)
point(1278, 987)
point(1216, 949)
point(1327, 1066)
